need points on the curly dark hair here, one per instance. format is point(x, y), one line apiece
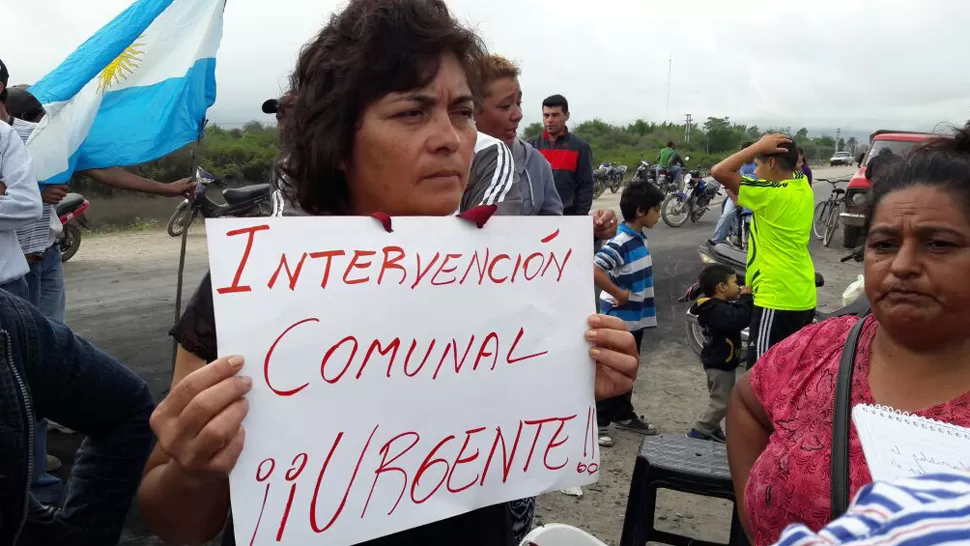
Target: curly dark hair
point(370, 49)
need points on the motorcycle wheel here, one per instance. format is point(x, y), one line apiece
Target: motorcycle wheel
point(695, 336)
point(181, 219)
point(598, 188)
point(614, 187)
point(672, 206)
point(697, 214)
point(69, 242)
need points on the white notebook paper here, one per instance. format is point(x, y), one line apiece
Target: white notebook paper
point(899, 445)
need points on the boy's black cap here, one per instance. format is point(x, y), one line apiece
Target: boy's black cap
point(4, 74)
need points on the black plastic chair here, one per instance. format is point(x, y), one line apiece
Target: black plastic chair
point(677, 463)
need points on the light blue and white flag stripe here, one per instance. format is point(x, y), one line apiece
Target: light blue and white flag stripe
point(135, 91)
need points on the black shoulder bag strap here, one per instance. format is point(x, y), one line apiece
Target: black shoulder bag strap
point(840, 423)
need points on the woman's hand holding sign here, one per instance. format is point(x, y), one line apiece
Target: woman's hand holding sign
point(615, 353)
point(199, 424)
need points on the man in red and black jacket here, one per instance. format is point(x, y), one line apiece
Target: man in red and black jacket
point(569, 155)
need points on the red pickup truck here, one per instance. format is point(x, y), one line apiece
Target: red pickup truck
point(853, 218)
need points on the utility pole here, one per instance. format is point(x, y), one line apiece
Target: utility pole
point(670, 68)
point(838, 140)
point(687, 129)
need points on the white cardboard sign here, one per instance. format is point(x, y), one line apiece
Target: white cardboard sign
point(406, 377)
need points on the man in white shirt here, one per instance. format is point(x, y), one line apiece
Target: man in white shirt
point(19, 206)
point(38, 239)
point(38, 256)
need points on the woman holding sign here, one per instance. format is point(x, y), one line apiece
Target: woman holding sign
point(912, 355)
point(383, 122)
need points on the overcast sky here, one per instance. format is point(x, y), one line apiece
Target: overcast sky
point(854, 64)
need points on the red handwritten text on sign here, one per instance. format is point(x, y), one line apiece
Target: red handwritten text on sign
point(448, 466)
point(393, 265)
point(407, 377)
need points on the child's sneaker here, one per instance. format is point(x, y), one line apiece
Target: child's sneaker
point(716, 436)
point(603, 434)
point(638, 425)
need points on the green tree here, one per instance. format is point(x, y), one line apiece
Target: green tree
point(801, 134)
point(720, 137)
point(532, 130)
point(852, 144)
point(826, 140)
point(640, 127)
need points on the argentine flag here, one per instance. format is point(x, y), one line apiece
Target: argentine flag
point(135, 91)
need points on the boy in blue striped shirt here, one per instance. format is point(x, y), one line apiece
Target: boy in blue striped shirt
point(623, 270)
point(929, 509)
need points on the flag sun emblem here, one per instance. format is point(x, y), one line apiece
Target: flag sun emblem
point(121, 67)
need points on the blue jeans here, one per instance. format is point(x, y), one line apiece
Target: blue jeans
point(54, 374)
point(17, 287)
point(45, 288)
point(726, 222)
point(674, 171)
point(45, 283)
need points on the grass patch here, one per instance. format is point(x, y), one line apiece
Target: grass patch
point(137, 224)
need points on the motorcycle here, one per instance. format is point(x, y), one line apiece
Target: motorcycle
point(71, 213)
point(736, 259)
point(644, 173)
point(665, 181)
point(617, 173)
point(600, 177)
point(691, 203)
point(252, 200)
point(740, 228)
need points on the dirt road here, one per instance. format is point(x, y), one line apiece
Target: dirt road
point(121, 295)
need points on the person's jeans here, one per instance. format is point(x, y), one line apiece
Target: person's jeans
point(45, 282)
point(45, 286)
point(74, 383)
point(46, 487)
point(17, 287)
point(726, 222)
point(674, 172)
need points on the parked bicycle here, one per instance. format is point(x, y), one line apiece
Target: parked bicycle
point(825, 221)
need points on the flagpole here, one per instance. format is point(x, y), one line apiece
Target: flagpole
point(185, 235)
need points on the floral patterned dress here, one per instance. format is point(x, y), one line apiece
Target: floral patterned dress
point(795, 383)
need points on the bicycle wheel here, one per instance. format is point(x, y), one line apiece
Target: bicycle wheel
point(831, 224)
point(818, 221)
